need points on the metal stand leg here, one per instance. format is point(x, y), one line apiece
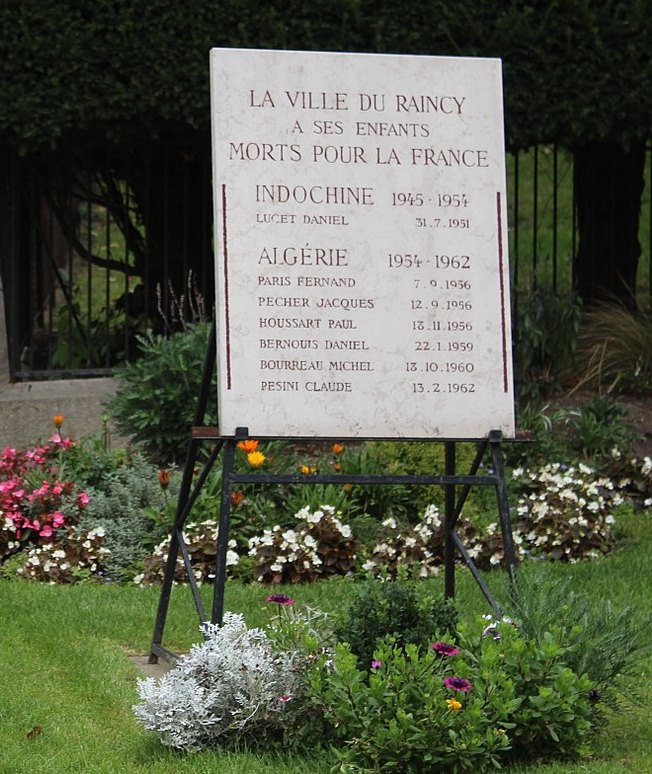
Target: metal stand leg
point(450, 519)
point(503, 505)
point(223, 536)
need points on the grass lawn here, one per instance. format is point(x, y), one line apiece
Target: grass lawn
point(67, 683)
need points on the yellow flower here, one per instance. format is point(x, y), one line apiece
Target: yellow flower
point(501, 731)
point(307, 470)
point(248, 446)
point(57, 420)
point(454, 704)
point(255, 459)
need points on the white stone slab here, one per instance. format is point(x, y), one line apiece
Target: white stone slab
point(361, 245)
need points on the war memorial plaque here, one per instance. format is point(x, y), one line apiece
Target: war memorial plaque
point(361, 245)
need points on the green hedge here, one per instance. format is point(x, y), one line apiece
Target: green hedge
point(574, 70)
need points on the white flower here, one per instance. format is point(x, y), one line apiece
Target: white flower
point(232, 558)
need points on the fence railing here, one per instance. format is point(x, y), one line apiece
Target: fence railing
point(97, 248)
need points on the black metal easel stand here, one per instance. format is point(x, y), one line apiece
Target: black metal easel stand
point(456, 488)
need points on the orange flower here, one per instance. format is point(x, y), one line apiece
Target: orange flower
point(307, 470)
point(248, 446)
point(255, 458)
point(337, 448)
point(58, 420)
point(236, 498)
point(164, 478)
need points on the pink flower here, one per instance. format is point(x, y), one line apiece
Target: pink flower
point(458, 684)
point(46, 531)
point(83, 499)
point(375, 664)
point(42, 491)
point(444, 649)
point(57, 440)
point(58, 519)
point(280, 599)
point(285, 698)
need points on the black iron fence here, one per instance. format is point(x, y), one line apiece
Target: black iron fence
point(97, 247)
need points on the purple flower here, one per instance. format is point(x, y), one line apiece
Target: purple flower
point(491, 631)
point(375, 664)
point(280, 599)
point(458, 684)
point(444, 649)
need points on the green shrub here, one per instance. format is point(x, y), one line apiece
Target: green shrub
point(123, 504)
point(156, 399)
point(590, 431)
point(496, 695)
point(418, 549)
point(545, 329)
point(79, 555)
point(395, 609)
point(598, 427)
point(604, 642)
point(318, 546)
point(201, 542)
point(564, 512)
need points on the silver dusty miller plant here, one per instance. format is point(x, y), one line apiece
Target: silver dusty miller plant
point(232, 685)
